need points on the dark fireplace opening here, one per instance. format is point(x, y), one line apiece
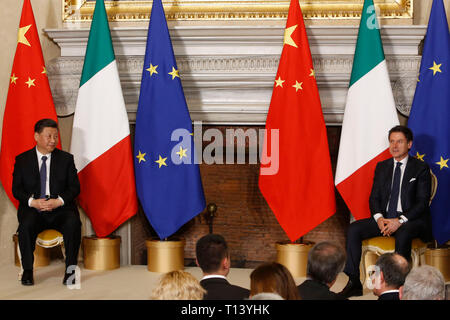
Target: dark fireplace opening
point(243, 216)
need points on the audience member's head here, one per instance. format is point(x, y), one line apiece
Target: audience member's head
point(266, 296)
point(178, 285)
point(325, 261)
point(212, 255)
point(273, 278)
point(393, 269)
point(423, 283)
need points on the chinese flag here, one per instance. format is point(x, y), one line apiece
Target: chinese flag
point(29, 98)
point(295, 175)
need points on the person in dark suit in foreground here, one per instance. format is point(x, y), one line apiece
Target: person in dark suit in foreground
point(391, 270)
point(45, 182)
point(214, 260)
point(325, 261)
point(399, 205)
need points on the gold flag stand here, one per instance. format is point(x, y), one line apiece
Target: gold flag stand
point(294, 256)
point(101, 253)
point(165, 256)
point(440, 259)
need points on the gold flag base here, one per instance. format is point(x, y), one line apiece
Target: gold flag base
point(440, 259)
point(41, 255)
point(101, 253)
point(165, 256)
point(294, 256)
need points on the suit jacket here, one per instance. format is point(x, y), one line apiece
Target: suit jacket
point(221, 289)
point(415, 189)
point(63, 179)
point(389, 296)
point(315, 290)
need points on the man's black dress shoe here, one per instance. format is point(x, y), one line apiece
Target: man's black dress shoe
point(27, 278)
point(352, 289)
point(68, 275)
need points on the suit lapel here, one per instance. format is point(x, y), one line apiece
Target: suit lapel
point(388, 186)
point(409, 172)
point(53, 168)
point(34, 165)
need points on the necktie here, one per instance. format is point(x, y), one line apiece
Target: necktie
point(393, 202)
point(43, 174)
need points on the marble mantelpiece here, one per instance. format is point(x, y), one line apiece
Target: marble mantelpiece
point(228, 71)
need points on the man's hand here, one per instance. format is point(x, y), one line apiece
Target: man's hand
point(38, 204)
point(46, 205)
point(391, 225)
point(381, 223)
point(52, 204)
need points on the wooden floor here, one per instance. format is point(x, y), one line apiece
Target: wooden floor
point(125, 283)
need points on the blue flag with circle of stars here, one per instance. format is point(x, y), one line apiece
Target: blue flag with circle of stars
point(430, 116)
point(168, 181)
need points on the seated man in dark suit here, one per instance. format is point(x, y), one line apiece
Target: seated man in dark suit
point(214, 260)
point(45, 182)
point(325, 261)
point(391, 270)
point(399, 204)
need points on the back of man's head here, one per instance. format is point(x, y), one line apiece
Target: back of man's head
point(395, 268)
point(423, 283)
point(211, 250)
point(325, 261)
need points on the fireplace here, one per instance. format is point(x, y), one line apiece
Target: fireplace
point(243, 216)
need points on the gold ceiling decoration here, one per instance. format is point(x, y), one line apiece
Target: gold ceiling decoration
point(128, 10)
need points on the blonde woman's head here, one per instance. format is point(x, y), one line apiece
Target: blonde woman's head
point(178, 285)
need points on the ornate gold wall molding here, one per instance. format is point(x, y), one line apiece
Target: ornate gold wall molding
point(126, 10)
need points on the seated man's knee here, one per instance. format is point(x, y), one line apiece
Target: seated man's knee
point(72, 222)
point(28, 225)
point(403, 236)
point(355, 230)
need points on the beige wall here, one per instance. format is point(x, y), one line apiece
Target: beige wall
point(48, 15)
point(422, 10)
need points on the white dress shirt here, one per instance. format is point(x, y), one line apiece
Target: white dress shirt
point(47, 182)
point(391, 291)
point(399, 202)
point(211, 276)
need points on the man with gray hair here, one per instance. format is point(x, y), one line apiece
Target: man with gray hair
point(423, 283)
point(325, 261)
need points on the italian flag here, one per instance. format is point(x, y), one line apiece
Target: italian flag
point(369, 115)
point(101, 142)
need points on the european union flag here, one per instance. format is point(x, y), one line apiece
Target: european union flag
point(168, 181)
point(430, 116)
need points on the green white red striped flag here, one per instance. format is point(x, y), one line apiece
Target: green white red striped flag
point(369, 114)
point(101, 142)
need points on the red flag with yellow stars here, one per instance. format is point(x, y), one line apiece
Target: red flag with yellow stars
point(29, 98)
point(295, 174)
